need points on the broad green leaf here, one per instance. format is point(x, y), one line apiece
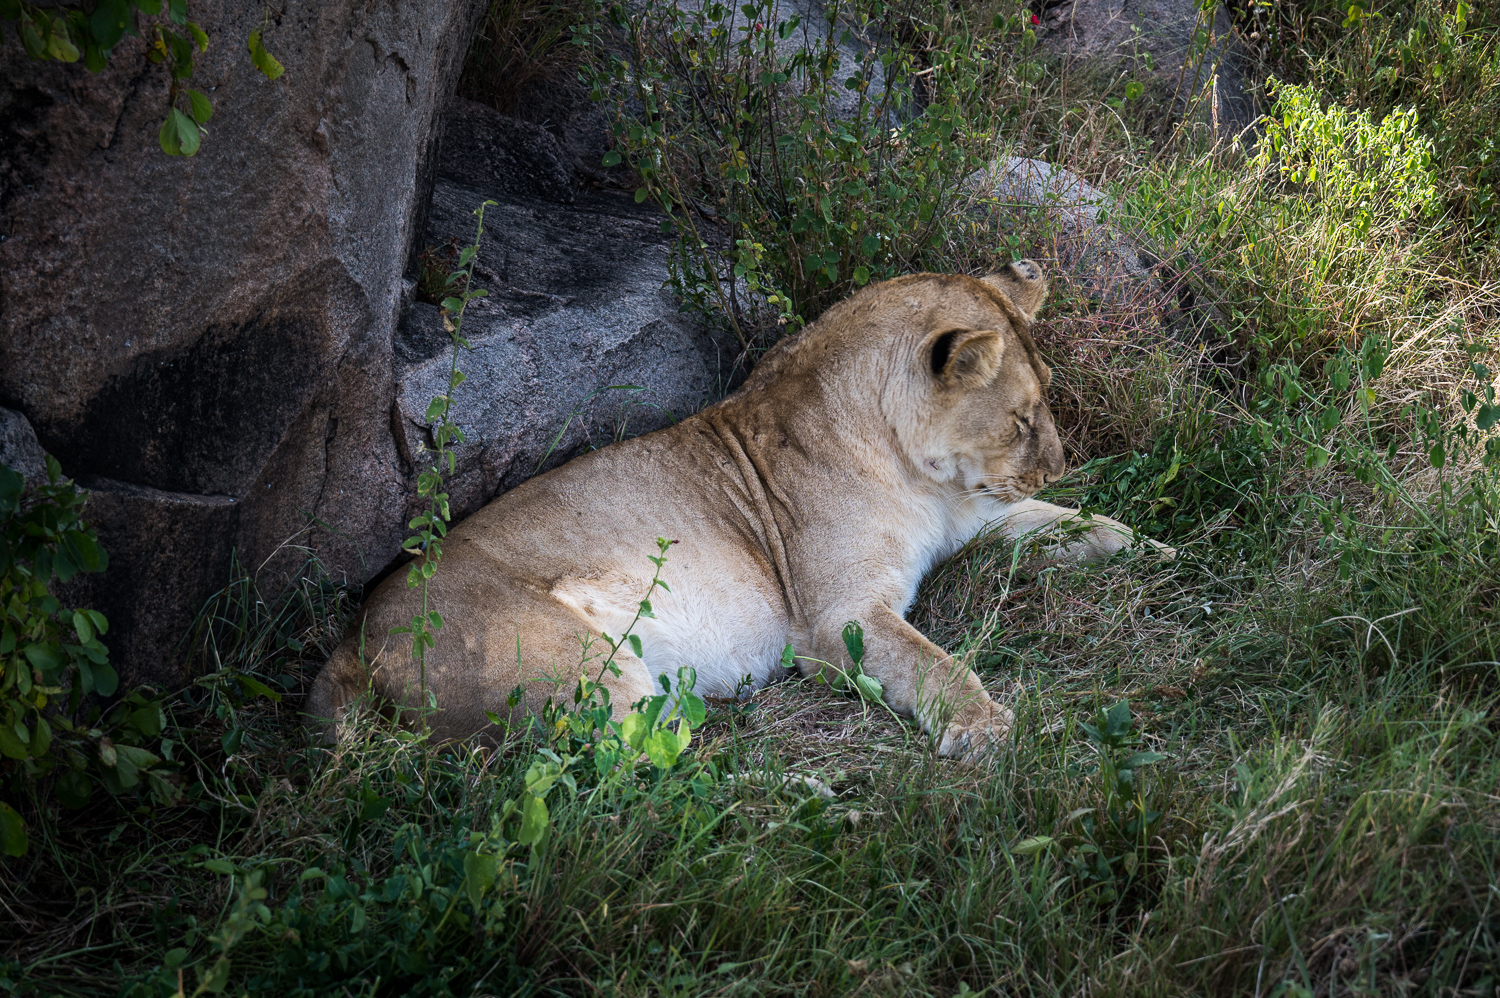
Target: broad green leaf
point(12, 746)
point(479, 874)
point(110, 21)
point(534, 819)
point(106, 680)
point(375, 808)
point(1031, 846)
point(255, 688)
point(694, 710)
point(869, 687)
point(167, 137)
point(635, 644)
point(13, 838)
point(188, 136)
point(260, 58)
point(201, 108)
point(633, 728)
point(1139, 759)
point(854, 641)
point(59, 45)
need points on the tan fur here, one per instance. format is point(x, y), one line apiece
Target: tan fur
point(859, 454)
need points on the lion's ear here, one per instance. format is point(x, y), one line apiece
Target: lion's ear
point(965, 358)
point(1023, 283)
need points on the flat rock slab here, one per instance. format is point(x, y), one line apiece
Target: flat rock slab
point(577, 345)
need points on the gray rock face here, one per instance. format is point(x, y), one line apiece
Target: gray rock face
point(206, 342)
point(1062, 213)
point(19, 450)
point(576, 310)
point(225, 349)
point(1114, 31)
point(1063, 221)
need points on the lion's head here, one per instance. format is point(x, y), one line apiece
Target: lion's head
point(968, 402)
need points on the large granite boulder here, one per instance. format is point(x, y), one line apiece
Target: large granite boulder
point(578, 343)
point(1065, 222)
point(226, 349)
point(206, 342)
point(1182, 52)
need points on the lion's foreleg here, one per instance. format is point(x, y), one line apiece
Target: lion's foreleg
point(1065, 534)
point(921, 680)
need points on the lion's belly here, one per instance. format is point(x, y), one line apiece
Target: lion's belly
point(724, 626)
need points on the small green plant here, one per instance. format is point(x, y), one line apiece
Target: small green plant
point(431, 525)
point(1110, 842)
point(67, 34)
point(52, 658)
point(853, 679)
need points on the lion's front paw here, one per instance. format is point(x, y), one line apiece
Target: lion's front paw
point(972, 734)
point(1112, 537)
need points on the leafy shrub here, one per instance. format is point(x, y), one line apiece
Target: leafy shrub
point(52, 658)
point(824, 176)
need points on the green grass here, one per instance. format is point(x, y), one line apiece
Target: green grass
point(1319, 667)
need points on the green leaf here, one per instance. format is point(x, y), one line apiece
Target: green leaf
point(13, 838)
point(167, 136)
point(633, 728)
point(635, 644)
point(534, 821)
point(1140, 759)
point(869, 687)
point(1118, 719)
point(260, 58)
point(255, 688)
point(854, 641)
point(375, 808)
point(223, 866)
point(611, 158)
point(201, 108)
point(641, 194)
point(788, 657)
point(1487, 416)
point(861, 275)
point(12, 746)
point(1031, 846)
point(694, 710)
point(110, 21)
point(1134, 89)
point(59, 45)
point(479, 874)
point(32, 40)
point(646, 610)
point(106, 680)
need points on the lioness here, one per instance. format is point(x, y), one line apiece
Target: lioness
point(859, 454)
